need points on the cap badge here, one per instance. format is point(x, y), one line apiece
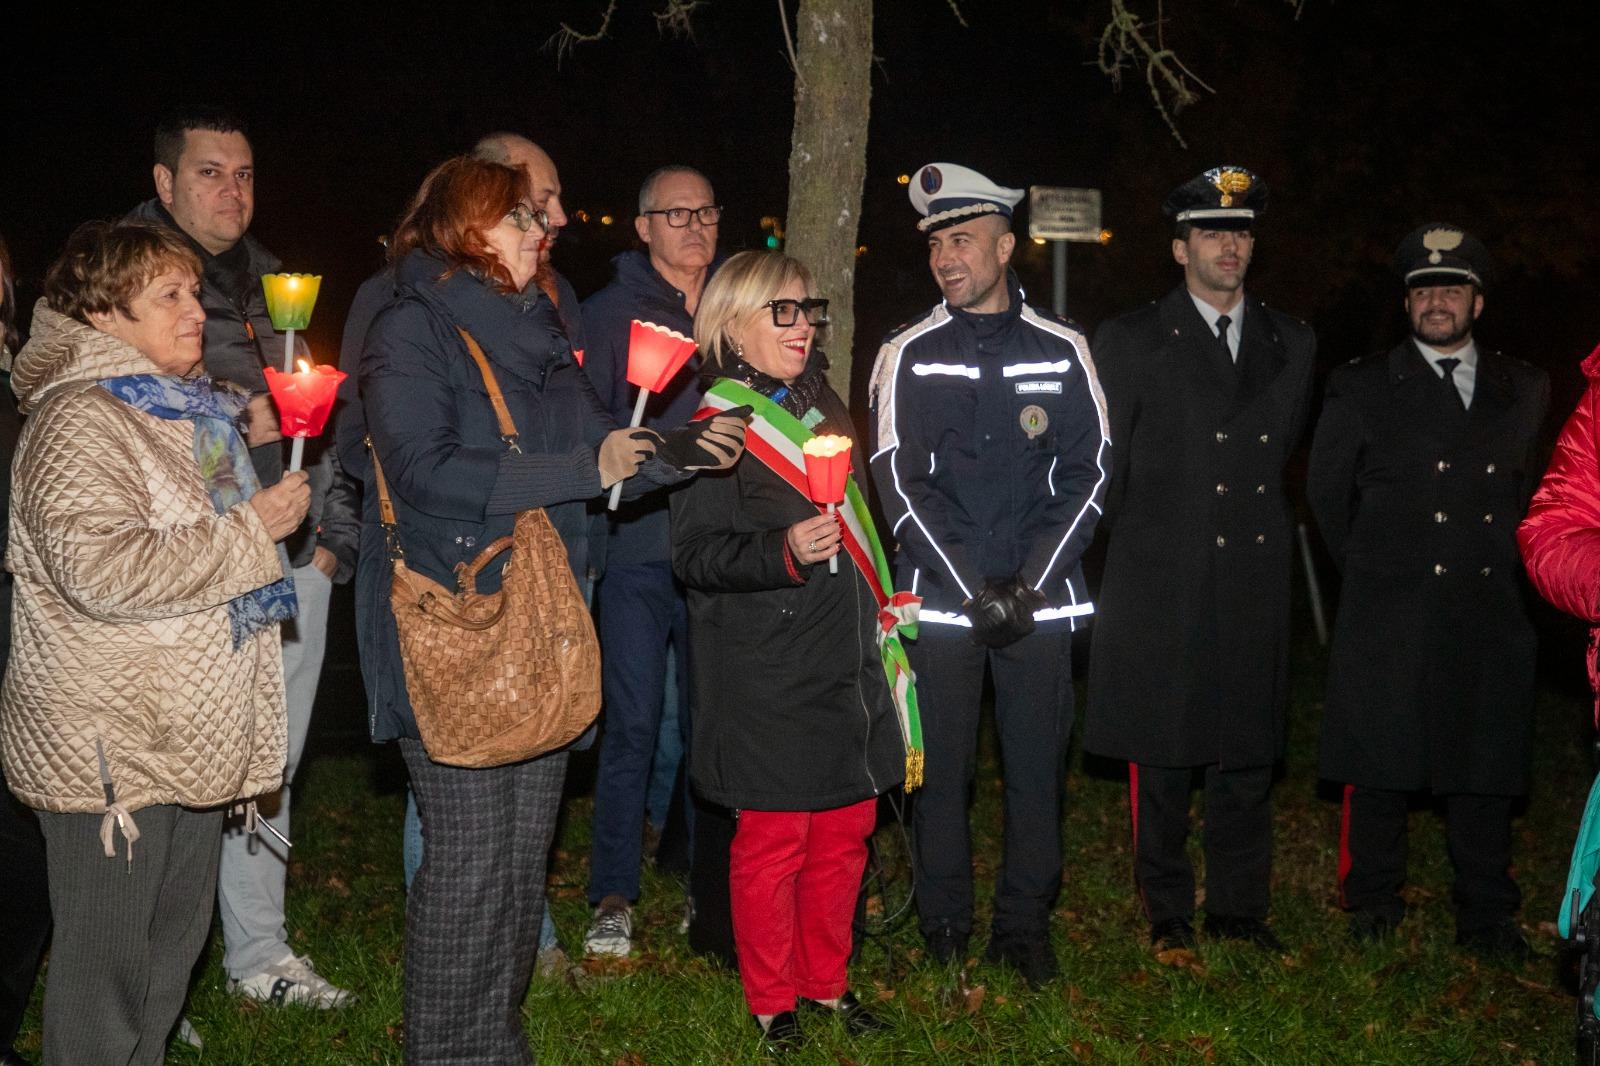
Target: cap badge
point(1034, 420)
point(1231, 183)
point(1438, 241)
point(931, 179)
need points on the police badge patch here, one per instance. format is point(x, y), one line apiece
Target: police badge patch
point(1034, 420)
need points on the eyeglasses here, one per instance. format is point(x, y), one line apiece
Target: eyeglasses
point(787, 312)
point(678, 217)
point(524, 218)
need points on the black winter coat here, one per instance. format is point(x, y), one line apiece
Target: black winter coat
point(792, 711)
point(432, 426)
point(1189, 660)
point(1431, 678)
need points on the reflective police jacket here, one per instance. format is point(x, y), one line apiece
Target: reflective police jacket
point(991, 456)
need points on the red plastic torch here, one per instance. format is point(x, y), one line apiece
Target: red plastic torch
point(305, 400)
point(827, 468)
point(655, 354)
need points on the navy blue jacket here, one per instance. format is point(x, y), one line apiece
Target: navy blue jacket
point(428, 413)
point(991, 456)
point(639, 530)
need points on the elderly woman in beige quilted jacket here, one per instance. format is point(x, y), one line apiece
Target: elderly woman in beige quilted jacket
point(145, 688)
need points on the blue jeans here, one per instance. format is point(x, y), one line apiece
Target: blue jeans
point(642, 611)
point(669, 750)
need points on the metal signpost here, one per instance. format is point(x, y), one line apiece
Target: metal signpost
point(1059, 214)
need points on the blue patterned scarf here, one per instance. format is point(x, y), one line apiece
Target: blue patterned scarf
point(225, 464)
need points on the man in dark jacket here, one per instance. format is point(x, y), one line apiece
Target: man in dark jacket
point(205, 190)
point(1188, 668)
point(642, 611)
point(1424, 459)
point(990, 461)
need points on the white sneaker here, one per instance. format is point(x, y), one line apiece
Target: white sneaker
point(292, 980)
point(611, 932)
point(187, 1033)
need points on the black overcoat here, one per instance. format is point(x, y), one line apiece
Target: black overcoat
point(791, 708)
point(1431, 678)
point(1189, 661)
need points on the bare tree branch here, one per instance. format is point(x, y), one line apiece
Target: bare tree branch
point(788, 43)
point(955, 9)
point(677, 17)
point(1125, 43)
point(563, 40)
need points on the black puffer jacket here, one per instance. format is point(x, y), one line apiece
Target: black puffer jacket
point(792, 712)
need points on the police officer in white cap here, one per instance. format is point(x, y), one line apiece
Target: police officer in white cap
point(1188, 671)
point(991, 459)
point(1423, 462)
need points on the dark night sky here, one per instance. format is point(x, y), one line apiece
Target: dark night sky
point(1367, 118)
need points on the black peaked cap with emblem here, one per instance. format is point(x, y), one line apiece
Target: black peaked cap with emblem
point(1225, 197)
point(1442, 254)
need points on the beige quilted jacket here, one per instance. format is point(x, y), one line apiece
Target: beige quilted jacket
point(123, 573)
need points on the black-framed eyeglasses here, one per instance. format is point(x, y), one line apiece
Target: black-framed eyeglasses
point(678, 217)
point(523, 217)
point(787, 312)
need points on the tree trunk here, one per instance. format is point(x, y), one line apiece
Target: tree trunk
point(828, 159)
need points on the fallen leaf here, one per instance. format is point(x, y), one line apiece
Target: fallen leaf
point(972, 998)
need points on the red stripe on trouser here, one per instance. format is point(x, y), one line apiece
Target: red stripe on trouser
point(793, 877)
point(1133, 810)
point(1344, 842)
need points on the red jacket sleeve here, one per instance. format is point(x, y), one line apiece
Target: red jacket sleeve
point(1560, 537)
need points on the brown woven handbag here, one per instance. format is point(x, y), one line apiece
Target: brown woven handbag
point(502, 677)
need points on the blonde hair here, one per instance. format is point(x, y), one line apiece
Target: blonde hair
point(738, 292)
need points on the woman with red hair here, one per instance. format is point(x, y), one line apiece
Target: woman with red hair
point(466, 258)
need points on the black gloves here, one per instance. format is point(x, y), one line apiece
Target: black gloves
point(710, 443)
point(1002, 612)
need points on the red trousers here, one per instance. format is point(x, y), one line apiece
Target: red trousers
point(793, 877)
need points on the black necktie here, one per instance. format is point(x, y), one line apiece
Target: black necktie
point(1223, 322)
point(1448, 366)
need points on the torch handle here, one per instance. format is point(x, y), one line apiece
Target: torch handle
point(288, 351)
point(638, 418)
point(297, 452)
point(833, 560)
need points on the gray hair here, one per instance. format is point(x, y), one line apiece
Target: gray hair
point(647, 190)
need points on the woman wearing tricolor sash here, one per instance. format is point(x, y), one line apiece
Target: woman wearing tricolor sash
point(804, 709)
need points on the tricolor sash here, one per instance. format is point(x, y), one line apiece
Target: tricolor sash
point(774, 438)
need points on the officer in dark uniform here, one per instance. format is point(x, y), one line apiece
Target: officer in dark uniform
point(1422, 466)
point(991, 461)
point(1208, 390)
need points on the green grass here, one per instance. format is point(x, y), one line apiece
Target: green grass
point(1412, 1000)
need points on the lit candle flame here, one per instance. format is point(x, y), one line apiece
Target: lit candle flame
point(305, 367)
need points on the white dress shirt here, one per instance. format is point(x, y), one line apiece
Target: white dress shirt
point(1235, 321)
point(1466, 376)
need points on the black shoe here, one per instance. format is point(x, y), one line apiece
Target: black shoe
point(1172, 933)
point(946, 944)
point(1252, 931)
point(1370, 926)
point(858, 1021)
point(1029, 954)
point(781, 1035)
point(1501, 942)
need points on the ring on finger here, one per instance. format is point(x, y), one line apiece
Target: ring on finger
point(811, 547)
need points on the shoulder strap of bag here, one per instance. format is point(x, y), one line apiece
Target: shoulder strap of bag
point(508, 433)
point(508, 428)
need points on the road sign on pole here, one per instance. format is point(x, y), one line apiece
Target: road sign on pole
point(1057, 213)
